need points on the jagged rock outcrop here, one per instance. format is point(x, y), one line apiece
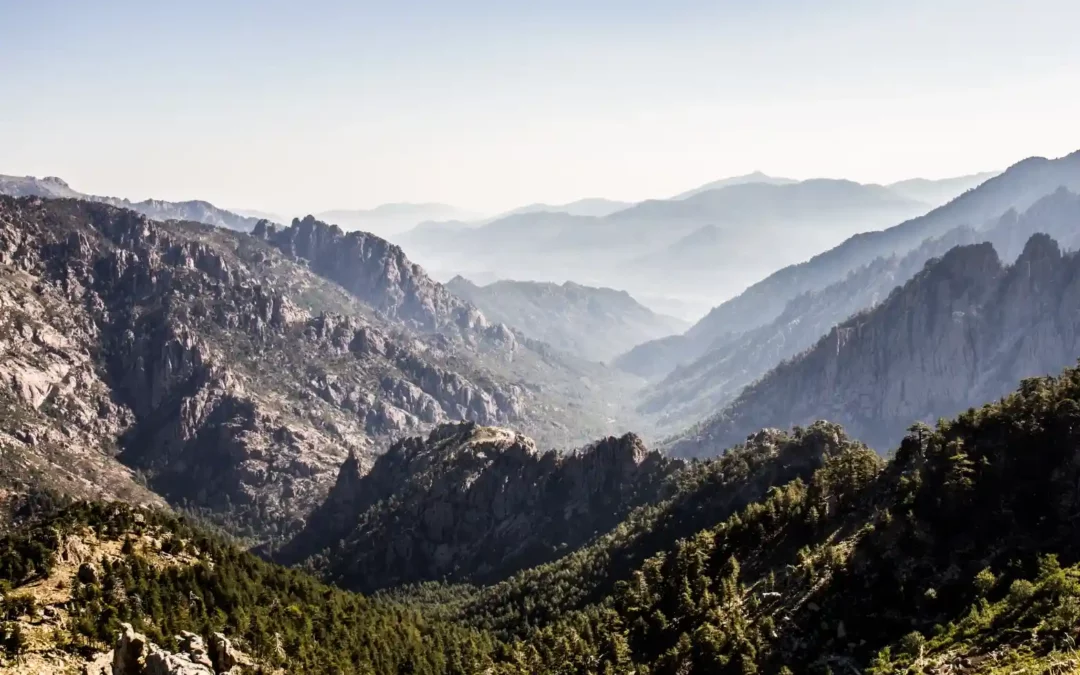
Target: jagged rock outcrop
point(699, 388)
point(134, 654)
point(477, 503)
point(960, 333)
point(1017, 188)
point(376, 271)
point(235, 381)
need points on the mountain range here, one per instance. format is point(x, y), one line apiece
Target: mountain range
point(695, 390)
point(235, 373)
point(172, 391)
point(387, 220)
point(761, 303)
point(669, 248)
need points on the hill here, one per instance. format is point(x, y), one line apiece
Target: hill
point(87, 578)
point(483, 503)
point(593, 323)
point(959, 555)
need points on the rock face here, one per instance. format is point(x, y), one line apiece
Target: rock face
point(480, 503)
point(699, 388)
point(134, 654)
point(594, 323)
point(960, 333)
point(375, 271)
point(234, 380)
point(1017, 188)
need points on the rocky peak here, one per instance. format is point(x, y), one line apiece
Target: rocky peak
point(1040, 249)
point(135, 654)
point(55, 180)
point(486, 501)
point(376, 271)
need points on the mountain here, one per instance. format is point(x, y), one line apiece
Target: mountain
point(591, 206)
point(755, 177)
point(794, 550)
point(958, 555)
point(938, 192)
point(388, 220)
point(699, 388)
point(483, 503)
point(960, 332)
point(196, 211)
point(1017, 188)
point(232, 375)
point(770, 225)
point(593, 323)
point(261, 215)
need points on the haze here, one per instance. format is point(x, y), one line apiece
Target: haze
point(302, 107)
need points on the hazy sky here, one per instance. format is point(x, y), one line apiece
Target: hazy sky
point(308, 105)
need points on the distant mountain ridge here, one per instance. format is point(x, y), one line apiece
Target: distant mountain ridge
point(769, 225)
point(753, 177)
point(194, 210)
point(1017, 188)
point(594, 323)
point(392, 219)
point(697, 389)
point(939, 191)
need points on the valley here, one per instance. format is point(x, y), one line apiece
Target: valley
point(288, 448)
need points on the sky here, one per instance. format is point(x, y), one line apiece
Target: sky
point(298, 107)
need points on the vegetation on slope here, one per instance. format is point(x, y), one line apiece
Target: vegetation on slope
point(960, 553)
point(283, 617)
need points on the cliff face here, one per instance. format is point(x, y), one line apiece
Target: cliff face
point(377, 272)
point(472, 503)
point(233, 380)
point(958, 334)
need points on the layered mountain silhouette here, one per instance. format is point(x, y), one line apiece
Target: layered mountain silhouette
point(699, 388)
point(1015, 189)
point(594, 323)
point(388, 220)
point(770, 225)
